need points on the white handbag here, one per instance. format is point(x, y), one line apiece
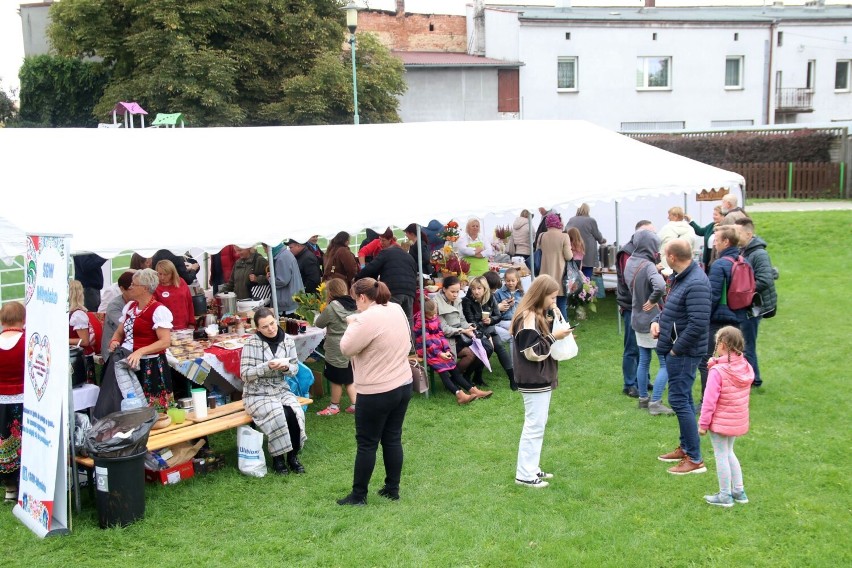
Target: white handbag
point(565, 348)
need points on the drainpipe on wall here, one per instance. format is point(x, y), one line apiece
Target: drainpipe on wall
point(770, 96)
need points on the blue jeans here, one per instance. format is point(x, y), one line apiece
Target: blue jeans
point(660, 381)
point(562, 304)
point(630, 359)
point(749, 329)
point(643, 377)
point(681, 371)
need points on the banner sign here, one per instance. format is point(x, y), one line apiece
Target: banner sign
point(43, 494)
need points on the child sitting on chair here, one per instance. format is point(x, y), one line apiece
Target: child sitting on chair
point(439, 356)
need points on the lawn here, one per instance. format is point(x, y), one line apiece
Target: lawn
point(611, 504)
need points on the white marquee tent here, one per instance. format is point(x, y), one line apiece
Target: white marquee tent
point(203, 188)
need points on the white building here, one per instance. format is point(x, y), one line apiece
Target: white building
point(674, 68)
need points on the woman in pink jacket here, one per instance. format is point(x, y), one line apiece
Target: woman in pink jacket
point(377, 341)
point(724, 413)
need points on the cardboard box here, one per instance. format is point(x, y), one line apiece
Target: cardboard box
point(171, 475)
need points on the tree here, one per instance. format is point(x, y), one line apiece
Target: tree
point(60, 91)
point(7, 106)
point(324, 94)
point(220, 62)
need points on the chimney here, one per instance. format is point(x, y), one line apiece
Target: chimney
point(478, 28)
point(650, 3)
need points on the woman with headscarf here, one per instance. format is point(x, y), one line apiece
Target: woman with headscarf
point(267, 359)
point(12, 360)
point(592, 236)
point(555, 248)
point(473, 248)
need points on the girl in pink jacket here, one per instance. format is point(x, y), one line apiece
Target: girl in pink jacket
point(724, 413)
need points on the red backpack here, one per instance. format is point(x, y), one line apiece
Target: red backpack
point(738, 292)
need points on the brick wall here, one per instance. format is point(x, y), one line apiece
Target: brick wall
point(411, 32)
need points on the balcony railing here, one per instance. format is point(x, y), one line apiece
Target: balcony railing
point(794, 100)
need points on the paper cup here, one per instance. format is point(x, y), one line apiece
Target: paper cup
point(199, 402)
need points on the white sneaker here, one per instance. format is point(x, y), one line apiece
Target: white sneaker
point(543, 475)
point(537, 483)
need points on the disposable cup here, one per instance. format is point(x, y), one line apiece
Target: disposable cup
point(199, 402)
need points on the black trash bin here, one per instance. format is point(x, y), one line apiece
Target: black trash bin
point(120, 489)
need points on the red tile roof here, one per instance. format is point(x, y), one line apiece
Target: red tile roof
point(446, 59)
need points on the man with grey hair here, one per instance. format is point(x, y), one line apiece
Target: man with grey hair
point(730, 204)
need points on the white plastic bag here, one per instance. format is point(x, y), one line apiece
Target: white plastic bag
point(565, 348)
point(252, 460)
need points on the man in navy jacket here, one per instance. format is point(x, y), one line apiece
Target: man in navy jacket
point(681, 330)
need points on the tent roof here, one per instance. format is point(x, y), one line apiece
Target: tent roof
point(203, 188)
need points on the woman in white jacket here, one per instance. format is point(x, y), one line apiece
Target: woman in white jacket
point(676, 228)
point(521, 235)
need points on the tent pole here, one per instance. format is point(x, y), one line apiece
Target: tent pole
point(617, 243)
point(419, 244)
point(271, 265)
point(532, 248)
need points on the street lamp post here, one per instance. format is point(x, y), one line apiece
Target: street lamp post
point(351, 10)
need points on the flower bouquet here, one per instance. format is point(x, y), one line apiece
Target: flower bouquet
point(310, 303)
point(503, 233)
point(447, 262)
point(585, 297)
point(450, 232)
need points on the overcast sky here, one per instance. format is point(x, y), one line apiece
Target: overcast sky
point(12, 49)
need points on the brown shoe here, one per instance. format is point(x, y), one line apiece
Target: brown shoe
point(475, 391)
point(674, 456)
point(687, 466)
point(463, 398)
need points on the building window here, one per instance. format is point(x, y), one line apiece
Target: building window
point(567, 35)
point(810, 78)
point(734, 72)
point(736, 36)
point(731, 123)
point(780, 39)
point(841, 75)
point(566, 74)
point(653, 73)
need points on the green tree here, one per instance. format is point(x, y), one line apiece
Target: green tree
point(324, 94)
point(7, 106)
point(220, 62)
point(60, 91)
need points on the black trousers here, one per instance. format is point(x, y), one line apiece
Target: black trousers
point(378, 419)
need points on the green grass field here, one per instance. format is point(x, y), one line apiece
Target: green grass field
point(611, 504)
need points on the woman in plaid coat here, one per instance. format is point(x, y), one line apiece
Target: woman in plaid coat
point(267, 360)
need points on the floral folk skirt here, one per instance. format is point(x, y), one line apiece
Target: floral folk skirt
point(156, 379)
point(11, 419)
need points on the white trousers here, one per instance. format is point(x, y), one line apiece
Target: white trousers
point(536, 409)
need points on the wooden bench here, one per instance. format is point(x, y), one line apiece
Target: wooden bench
point(219, 419)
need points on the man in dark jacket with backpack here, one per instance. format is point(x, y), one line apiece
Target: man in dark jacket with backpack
point(754, 251)
point(397, 269)
point(681, 331)
point(727, 246)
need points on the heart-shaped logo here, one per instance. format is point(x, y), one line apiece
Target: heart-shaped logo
point(38, 355)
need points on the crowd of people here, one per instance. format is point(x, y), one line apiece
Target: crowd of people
point(671, 304)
